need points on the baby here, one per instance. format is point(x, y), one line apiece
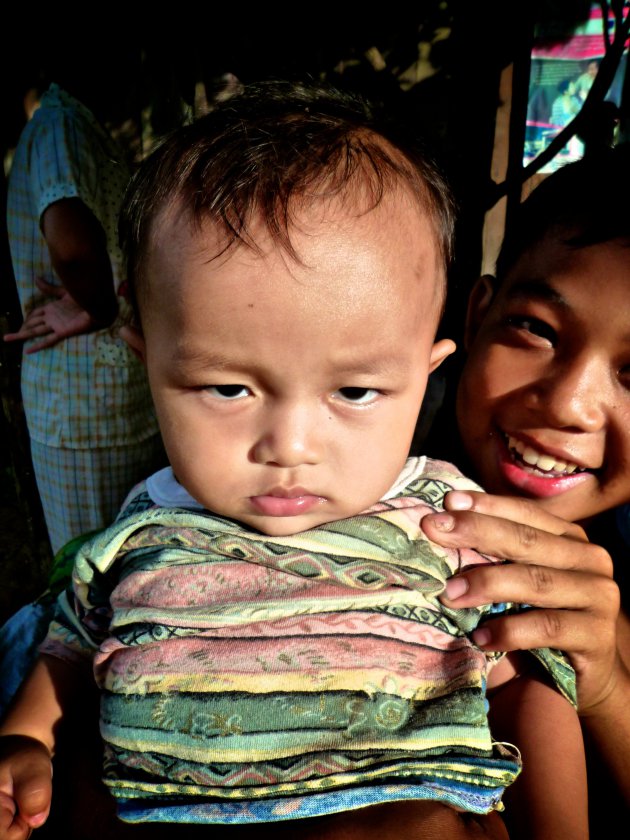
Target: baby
point(263, 618)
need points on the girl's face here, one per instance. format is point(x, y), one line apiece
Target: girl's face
point(543, 405)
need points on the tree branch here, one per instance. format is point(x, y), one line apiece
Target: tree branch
point(605, 9)
point(596, 95)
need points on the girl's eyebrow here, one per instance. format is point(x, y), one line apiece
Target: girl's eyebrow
point(538, 290)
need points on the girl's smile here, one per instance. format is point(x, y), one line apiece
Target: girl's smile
point(536, 473)
point(544, 399)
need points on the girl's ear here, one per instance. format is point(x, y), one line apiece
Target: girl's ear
point(479, 302)
point(135, 339)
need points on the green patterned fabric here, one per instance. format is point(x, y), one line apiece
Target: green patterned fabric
point(239, 668)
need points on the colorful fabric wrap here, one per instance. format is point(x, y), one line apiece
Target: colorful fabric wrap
point(249, 679)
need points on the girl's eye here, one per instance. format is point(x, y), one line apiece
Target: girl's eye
point(228, 392)
point(358, 396)
point(534, 326)
point(624, 377)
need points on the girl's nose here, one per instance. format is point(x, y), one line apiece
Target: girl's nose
point(575, 395)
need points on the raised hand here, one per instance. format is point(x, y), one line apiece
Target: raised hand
point(53, 321)
point(553, 567)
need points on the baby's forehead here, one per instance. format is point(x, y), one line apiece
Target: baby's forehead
point(323, 241)
point(392, 221)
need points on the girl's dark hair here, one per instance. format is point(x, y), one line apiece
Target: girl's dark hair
point(582, 203)
point(269, 145)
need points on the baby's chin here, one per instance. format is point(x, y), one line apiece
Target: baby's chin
point(285, 526)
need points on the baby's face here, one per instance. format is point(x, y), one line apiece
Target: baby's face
point(287, 393)
point(544, 400)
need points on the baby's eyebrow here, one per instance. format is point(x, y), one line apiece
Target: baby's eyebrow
point(536, 289)
point(186, 354)
point(370, 365)
point(190, 357)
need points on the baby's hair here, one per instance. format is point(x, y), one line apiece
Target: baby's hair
point(583, 203)
point(270, 146)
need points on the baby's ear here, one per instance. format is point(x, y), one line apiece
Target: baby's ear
point(440, 350)
point(135, 339)
point(479, 302)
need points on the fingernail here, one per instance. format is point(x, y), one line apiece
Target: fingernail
point(37, 819)
point(482, 636)
point(456, 587)
point(457, 500)
point(443, 521)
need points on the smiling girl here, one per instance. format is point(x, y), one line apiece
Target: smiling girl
point(543, 411)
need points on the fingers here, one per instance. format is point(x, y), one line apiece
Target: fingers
point(16, 820)
point(11, 826)
point(12, 337)
point(25, 786)
point(49, 289)
point(523, 511)
point(32, 331)
point(33, 795)
point(34, 325)
point(32, 786)
point(569, 610)
point(52, 339)
point(520, 543)
point(558, 629)
point(538, 586)
point(580, 617)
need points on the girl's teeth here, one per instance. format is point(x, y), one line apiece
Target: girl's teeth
point(530, 456)
point(546, 463)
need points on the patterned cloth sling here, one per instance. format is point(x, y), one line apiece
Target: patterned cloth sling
point(249, 678)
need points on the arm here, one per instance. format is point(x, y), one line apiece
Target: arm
point(27, 740)
point(553, 566)
point(78, 251)
point(549, 798)
point(607, 725)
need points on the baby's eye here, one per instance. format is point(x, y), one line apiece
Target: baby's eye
point(534, 326)
point(358, 396)
point(228, 392)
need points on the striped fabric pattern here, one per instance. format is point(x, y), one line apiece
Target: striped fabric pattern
point(80, 489)
point(247, 678)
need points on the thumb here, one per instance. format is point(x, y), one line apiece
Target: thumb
point(48, 288)
point(33, 795)
point(32, 785)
